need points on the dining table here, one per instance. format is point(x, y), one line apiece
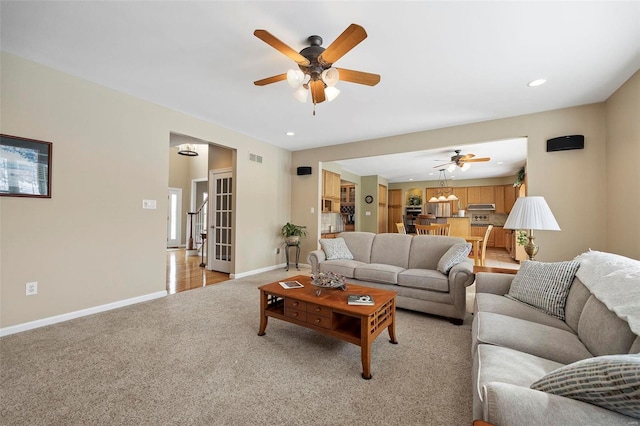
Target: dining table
point(475, 240)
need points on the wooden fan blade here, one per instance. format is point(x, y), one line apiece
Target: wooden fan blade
point(466, 157)
point(358, 77)
point(269, 80)
point(272, 41)
point(317, 91)
point(478, 160)
point(346, 41)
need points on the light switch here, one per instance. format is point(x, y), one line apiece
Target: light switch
point(313, 210)
point(149, 204)
point(367, 213)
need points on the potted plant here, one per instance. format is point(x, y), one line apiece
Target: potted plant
point(519, 178)
point(292, 233)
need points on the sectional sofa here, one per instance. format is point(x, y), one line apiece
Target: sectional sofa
point(532, 368)
point(407, 265)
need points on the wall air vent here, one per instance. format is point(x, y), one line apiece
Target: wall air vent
point(255, 157)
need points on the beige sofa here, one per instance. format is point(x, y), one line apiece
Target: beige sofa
point(515, 345)
point(407, 265)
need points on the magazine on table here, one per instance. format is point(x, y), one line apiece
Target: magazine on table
point(290, 284)
point(360, 299)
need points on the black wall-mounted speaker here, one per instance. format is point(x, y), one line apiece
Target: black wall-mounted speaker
point(564, 143)
point(304, 170)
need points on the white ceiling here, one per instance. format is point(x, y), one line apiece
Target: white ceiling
point(442, 63)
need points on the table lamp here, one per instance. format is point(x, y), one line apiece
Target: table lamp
point(531, 213)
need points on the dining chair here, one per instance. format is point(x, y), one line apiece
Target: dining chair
point(401, 228)
point(483, 251)
point(426, 229)
point(443, 229)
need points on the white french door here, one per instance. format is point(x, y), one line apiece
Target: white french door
point(174, 217)
point(220, 249)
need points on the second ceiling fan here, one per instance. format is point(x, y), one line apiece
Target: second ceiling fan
point(462, 161)
point(316, 73)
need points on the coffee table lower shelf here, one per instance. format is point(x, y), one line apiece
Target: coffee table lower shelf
point(330, 314)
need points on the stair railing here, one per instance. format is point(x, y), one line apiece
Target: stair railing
point(196, 221)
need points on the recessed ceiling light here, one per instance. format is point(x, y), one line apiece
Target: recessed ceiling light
point(290, 134)
point(430, 174)
point(410, 178)
point(538, 82)
point(500, 162)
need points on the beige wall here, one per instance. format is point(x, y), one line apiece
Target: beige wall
point(571, 181)
point(92, 243)
point(623, 178)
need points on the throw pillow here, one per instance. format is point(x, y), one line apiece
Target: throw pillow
point(611, 382)
point(335, 248)
point(456, 254)
point(545, 286)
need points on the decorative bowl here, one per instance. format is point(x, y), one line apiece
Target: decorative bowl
point(328, 280)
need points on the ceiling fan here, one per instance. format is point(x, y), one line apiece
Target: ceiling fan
point(316, 73)
point(462, 161)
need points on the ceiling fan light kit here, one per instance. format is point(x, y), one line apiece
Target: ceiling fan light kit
point(317, 74)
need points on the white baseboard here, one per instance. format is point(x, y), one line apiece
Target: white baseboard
point(77, 314)
point(267, 269)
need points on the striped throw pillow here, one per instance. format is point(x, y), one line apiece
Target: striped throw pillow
point(457, 253)
point(544, 286)
point(611, 382)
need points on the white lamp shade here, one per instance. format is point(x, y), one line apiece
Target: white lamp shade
point(330, 76)
point(295, 78)
point(531, 213)
point(451, 168)
point(433, 200)
point(301, 94)
point(465, 167)
point(330, 92)
point(452, 197)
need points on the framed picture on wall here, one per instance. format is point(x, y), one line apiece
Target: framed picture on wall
point(25, 167)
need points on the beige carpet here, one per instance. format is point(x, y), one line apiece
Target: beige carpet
point(195, 358)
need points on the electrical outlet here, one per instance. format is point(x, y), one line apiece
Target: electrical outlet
point(277, 250)
point(32, 288)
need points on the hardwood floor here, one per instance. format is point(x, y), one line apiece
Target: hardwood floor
point(185, 273)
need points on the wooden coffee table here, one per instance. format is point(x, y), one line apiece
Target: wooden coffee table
point(329, 313)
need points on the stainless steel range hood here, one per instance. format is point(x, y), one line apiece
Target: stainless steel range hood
point(472, 207)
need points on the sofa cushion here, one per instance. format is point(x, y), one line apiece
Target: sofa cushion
point(536, 339)
point(346, 268)
point(391, 249)
point(457, 253)
point(335, 248)
point(426, 279)
point(359, 244)
point(426, 250)
point(378, 272)
point(544, 285)
point(602, 331)
point(487, 302)
point(497, 364)
point(612, 382)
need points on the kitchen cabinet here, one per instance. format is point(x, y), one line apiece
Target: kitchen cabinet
point(481, 195)
point(500, 236)
point(330, 192)
point(348, 195)
point(510, 195)
point(461, 193)
point(499, 197)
